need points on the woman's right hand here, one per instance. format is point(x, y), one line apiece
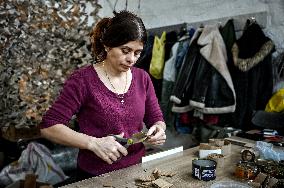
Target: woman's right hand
point(107, 148)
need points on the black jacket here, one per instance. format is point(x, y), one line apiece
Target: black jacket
point(204, 82)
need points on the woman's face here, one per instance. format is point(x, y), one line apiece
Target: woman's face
point(123, 57)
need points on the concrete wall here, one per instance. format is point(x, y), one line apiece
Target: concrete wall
point(158, 13)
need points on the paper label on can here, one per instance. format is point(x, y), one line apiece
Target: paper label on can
point(208, 173)
point(196, 172)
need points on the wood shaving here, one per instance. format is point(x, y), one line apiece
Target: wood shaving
point(272, 181)
point(143, 184)
point(255, 184)
point(154, 179)
point(160, 183)
point(149, 183)
point(156, 173)
point(146, 178)
point(260, 178)
point(215, 156)
point(107, 185)
point(168, 174)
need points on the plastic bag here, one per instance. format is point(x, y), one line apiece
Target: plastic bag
point(267, 151)
point(158, 57)
point(276, 103)
point(37, 159)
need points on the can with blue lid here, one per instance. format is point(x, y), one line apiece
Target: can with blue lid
point(204, 169)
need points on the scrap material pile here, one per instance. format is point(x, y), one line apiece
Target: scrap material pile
point(155, 179)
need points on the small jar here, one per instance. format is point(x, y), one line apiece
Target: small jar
point(246, 170)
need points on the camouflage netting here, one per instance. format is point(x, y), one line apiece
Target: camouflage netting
point(41, 43)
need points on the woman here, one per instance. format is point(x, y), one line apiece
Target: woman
point(110, 97)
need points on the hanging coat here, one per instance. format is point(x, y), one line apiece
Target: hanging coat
point(197, 86)
point(252, 73)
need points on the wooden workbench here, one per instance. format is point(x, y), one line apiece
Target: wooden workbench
point(181, 163)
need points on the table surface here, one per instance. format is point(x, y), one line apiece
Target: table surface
point(180, 163)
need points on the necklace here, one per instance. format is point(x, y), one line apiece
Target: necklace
point(120, 96)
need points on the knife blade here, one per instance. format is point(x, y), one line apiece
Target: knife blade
point(134, 139)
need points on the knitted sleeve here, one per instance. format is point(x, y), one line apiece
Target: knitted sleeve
point(67, 104)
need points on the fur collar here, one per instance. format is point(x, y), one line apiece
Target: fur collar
point(246, 64)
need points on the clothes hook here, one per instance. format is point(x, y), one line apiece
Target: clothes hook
point(126, 4)
point(139, 6)
point(252, 19)
point(114, 11)
point(219, 24)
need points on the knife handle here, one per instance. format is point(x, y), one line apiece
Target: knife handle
point(122, 141)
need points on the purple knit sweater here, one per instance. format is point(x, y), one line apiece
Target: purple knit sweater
point(100, 113)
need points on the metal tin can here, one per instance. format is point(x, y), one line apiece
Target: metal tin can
point(204, 169)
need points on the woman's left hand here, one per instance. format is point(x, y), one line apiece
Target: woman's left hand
point(156, 134)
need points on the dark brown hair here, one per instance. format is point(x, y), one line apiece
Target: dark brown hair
point(113, 32)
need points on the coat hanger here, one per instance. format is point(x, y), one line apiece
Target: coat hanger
point(113, 10)
point(139, 7)
point(219, 24)
point(252, 19)
point(126, 4)
point(183, 33)
point(182, 30)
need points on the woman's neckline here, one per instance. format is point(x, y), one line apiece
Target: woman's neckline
point(110, 91)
